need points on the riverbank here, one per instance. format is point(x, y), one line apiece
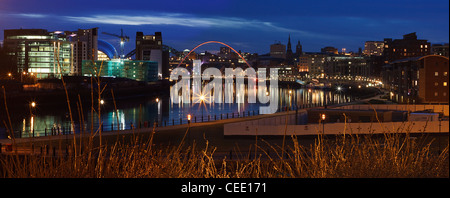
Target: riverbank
point(50, 91)
point(201, 150)
point(203, 134)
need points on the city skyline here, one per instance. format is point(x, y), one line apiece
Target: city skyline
point(244, 25)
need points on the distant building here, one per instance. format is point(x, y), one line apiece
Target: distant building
point(225, 50)
point(329, 50)
point(374, 48)
point(35, 50)
point(85, 47)
point(314, 63)
point(422, 79)
point(439, 49)
point(302, 64)
point(149, 48)
point(106, 51)
point(347, 67)
point(278, 50)
point(407, 47)
point(137, 70)
point(38, 52)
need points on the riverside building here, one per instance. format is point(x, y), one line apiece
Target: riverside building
point(47, 54)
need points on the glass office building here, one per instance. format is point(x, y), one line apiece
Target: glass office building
point(136, 70)
point(39, 52)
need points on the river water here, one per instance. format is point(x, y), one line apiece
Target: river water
point(145, 111)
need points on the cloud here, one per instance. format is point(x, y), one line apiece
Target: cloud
point(184, 20)
point(27, 15)
point(169, 19)
point(178, 19)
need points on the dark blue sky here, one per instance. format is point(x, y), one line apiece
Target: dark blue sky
point(250, 26)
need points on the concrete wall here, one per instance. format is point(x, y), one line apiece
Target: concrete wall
point(398, 107)
point(261, 127)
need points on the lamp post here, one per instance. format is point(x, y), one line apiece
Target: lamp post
point(440, 120)
point(189, 126)
point(202, 99)
point(323, 117)
point(32, 106)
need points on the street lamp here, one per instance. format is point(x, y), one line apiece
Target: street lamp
point(202, 99)
point(102, 102)
point(323, 117)
point(32, 106)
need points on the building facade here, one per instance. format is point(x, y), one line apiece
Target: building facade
point(149, 48)
point(39, 52)
point(347, 67)
point(137, 70)
point(421, 79)
point(278, 50)
point(85, 47)
point(47, 54)
point(329, 50)
point(373, 48)
point(407, 47)
point(440, 49)
point(313, 63)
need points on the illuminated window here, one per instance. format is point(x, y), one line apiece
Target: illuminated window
point(435, 93)
point(436, 84)
point(444, 94)
point(445, 84)
point(436, 73)
point(445, 73)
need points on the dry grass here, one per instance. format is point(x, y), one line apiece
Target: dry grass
point(393, 155)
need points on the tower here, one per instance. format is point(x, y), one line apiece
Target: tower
point(298, 50)
point(289, 54)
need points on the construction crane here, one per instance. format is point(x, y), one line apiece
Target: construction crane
point(123, 39)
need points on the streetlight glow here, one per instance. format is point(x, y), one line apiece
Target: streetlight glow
point(33, 104)
point(102, 102)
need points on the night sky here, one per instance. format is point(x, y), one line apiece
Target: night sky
point(250, 26)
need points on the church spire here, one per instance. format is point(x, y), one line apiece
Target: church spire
point(289, 54)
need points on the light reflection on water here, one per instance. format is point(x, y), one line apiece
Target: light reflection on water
point(166, 112)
